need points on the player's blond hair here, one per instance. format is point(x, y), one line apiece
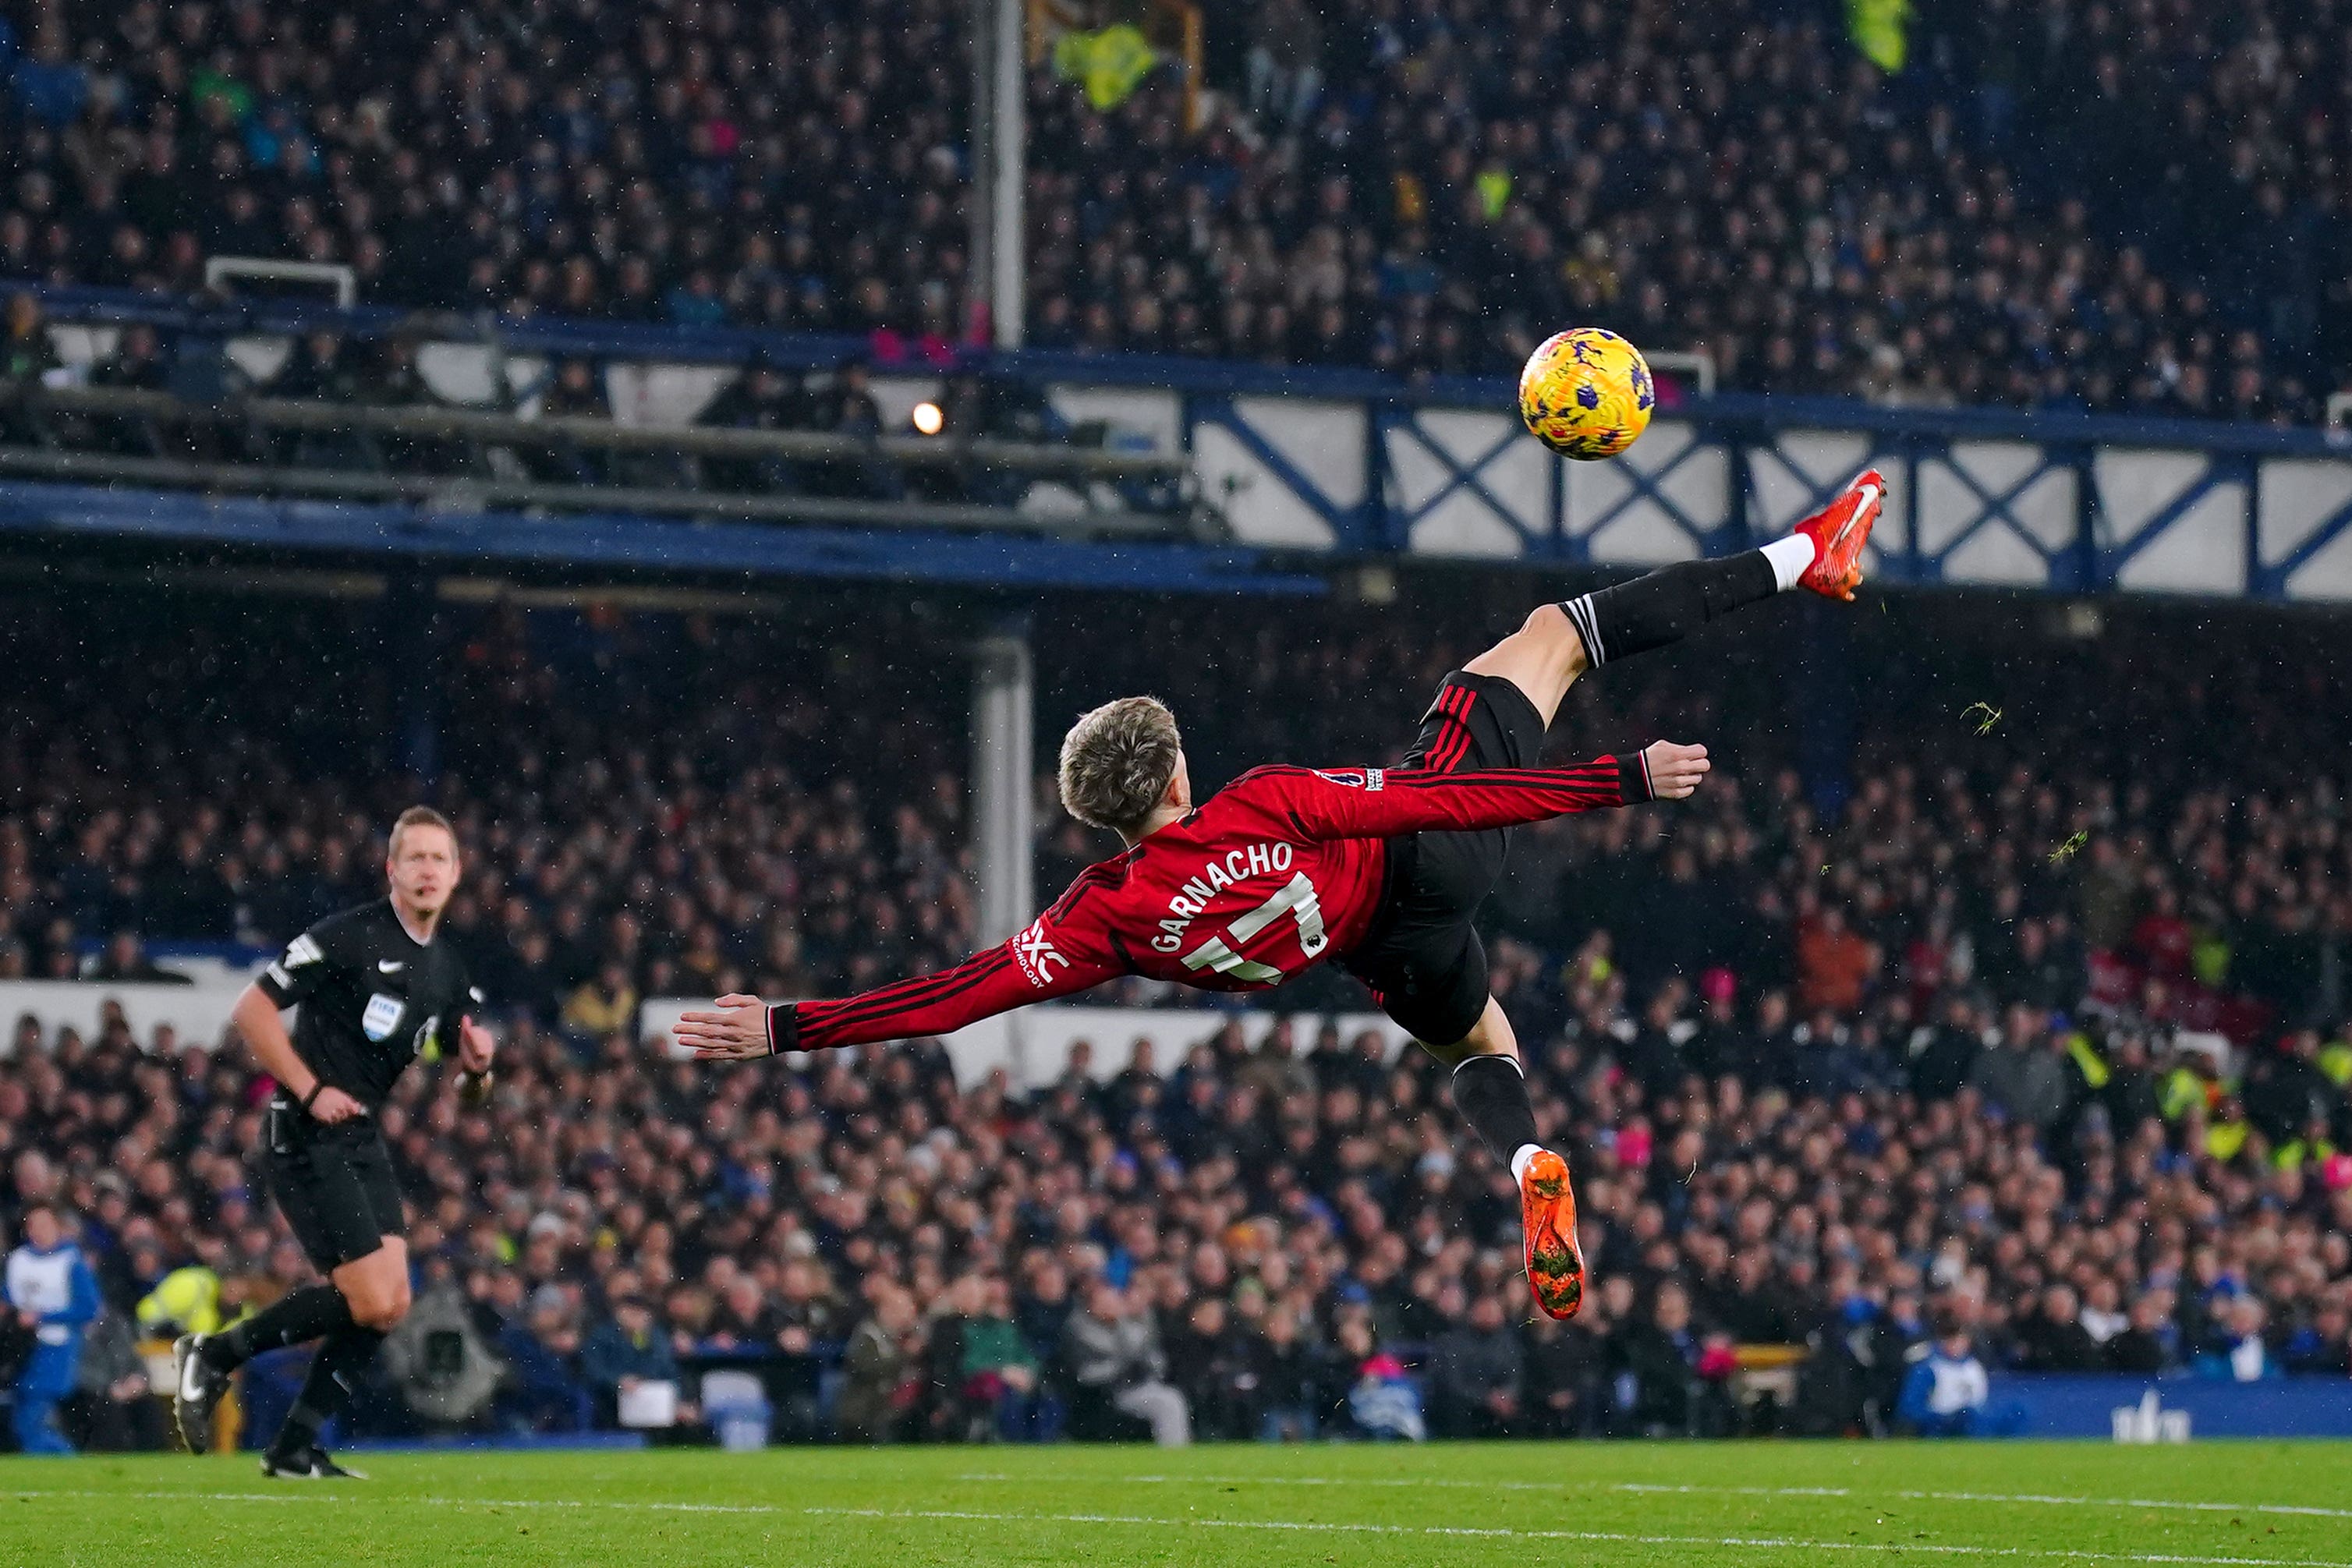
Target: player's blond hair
point(417, 817)
point(1117, 762)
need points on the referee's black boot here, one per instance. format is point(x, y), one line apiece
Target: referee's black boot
point(310, 1463)
point(198, 1388)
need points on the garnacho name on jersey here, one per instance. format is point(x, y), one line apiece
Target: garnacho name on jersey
point(1230, 869)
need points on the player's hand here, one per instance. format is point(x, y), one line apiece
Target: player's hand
point(477, 1047)
point(737, 1030)
point(1675, 770)
point(333, 1105)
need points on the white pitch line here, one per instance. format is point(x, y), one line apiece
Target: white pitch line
point(426, 1500)
point(1789, 1543)
point(2038, 1499)
point(1757, 1543)
point(2035, 1498)
point(1311, 1481)
point(1147, 1521)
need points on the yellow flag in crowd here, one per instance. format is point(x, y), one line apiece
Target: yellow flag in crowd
point(1881, 29)
point(1109, 64)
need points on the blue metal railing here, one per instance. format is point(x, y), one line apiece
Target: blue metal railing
point(2058, 499)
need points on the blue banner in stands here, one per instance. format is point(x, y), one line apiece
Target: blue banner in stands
point(2179, 1410)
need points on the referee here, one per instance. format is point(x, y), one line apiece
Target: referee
point(375, 990)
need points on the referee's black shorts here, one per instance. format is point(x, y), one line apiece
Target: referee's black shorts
point(1422, 957)
point(333, 1184)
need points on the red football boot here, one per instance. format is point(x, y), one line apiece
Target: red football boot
point(1838, 531)
point(1555, 1262)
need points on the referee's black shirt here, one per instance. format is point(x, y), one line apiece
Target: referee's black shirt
point(372, 996)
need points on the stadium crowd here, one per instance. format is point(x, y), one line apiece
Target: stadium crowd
point(2070, 205)
point(2030, 1050)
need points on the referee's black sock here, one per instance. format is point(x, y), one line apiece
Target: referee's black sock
point(333, 1376)
point(311, 1313)
point(1491, 1093)
point(1669, 604)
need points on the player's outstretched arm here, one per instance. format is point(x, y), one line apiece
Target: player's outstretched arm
point(734, 1030)
point(1675, 770)
point(1363, 803)
point(1041, 963)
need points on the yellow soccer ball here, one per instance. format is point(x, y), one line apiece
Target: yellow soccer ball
point(1585, 393)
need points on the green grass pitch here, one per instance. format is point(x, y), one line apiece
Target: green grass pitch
point(2264, 1505)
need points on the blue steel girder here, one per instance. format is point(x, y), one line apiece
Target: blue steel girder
point(417, 534)
point(1819, 491)
point(2270, 582)
point(1353, 527)
point(2221, 468)
point(1399, 520)
point(1992, 508)
point(1648, 486)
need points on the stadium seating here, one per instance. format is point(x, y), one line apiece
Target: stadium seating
point(2049, 207)
point(1935, 1030)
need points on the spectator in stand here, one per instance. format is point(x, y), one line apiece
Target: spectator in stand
point(139, 363)
point(601, 1008)
point(54, 1296)
point(1381, 1401)
point(1947, 1393)
point(2238, 1349)
point(1290, 1380)
point(542, 1347)
point(114, 1408)
point(1833, 962)
point(999, 1370)
point(879, 1393)
point(2323, 1347)
point(2052, 1338)
point(321, 368)
point(802, 1321)
point(2285, 1090)
point(1113, 1362)
point(1653, 1365)
point(1211, 1365)
point(28, 360)
point(2150, 1343)
point(622, 1354)
point(126, 959)
point(1476, 1374)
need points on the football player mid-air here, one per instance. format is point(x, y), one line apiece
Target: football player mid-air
point(1382, 869)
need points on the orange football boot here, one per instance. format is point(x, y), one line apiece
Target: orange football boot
point(1555, 1262)
point(1839, 530)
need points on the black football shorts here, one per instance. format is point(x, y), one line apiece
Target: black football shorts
point(1422, 957)
point(334, 1184)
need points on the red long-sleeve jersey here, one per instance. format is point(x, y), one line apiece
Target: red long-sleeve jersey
point(1275, 872)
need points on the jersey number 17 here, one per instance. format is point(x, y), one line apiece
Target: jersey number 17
point(1296, 899)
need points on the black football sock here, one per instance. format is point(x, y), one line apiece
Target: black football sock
point(334, 1375)
point(311, 1313)
point(1667, 605)
point(1491, 1093)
